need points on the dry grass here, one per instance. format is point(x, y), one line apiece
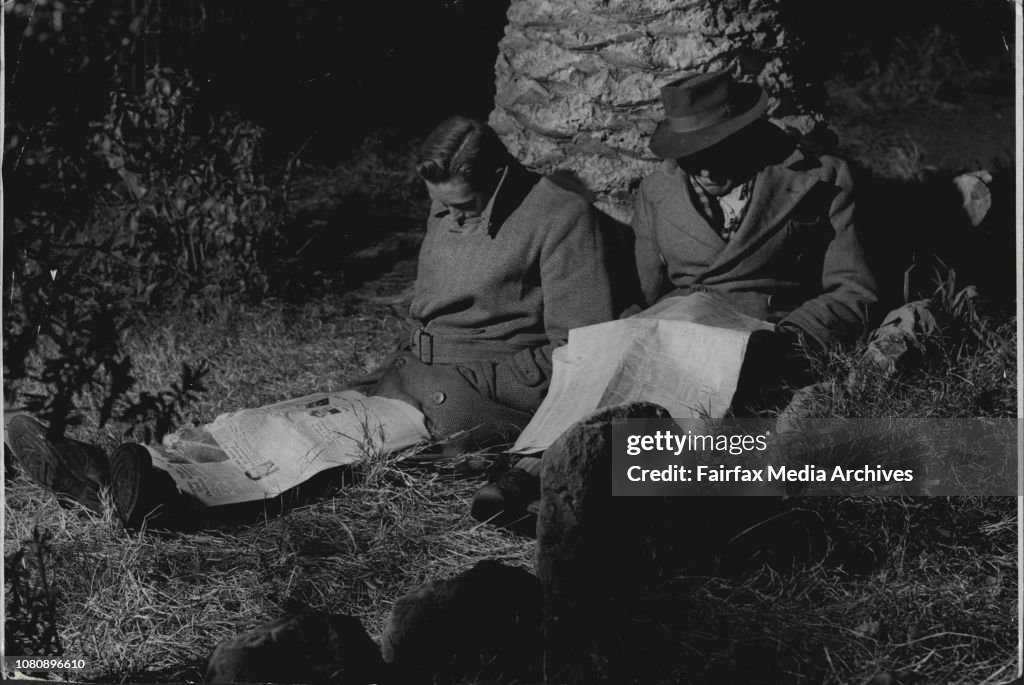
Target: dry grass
point(154, 604)
point(942, 605)
point(937, 598)
point(923, 586)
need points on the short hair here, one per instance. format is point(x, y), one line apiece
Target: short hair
point(461, 147)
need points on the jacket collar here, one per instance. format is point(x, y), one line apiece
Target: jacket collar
point(778, 188)
point(513, 186)
point(696, 224)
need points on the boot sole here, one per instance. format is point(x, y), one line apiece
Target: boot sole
point(129, 465)
point(44, 464)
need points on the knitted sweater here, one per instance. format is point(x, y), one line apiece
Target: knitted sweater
point(497, 294)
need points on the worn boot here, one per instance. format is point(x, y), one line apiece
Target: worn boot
point(511, 501)
point(140, 491)
point(67, 467)
point(79, 471)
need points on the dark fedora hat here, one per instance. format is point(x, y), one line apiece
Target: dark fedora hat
point(703, 109)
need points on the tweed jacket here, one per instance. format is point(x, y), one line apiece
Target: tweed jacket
point(492, 299)
point(795, 258)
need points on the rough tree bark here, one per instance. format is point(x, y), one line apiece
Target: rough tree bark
point(578, 80)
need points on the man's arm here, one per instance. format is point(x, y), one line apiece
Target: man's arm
point(576, 292)
point(574, 277)
point(849, 289)
point(650, 266)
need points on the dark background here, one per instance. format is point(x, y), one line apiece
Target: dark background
point(328, 73)
point(331, 70)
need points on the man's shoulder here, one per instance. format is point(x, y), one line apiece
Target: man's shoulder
point(530, 197)
point(665, 178)
point(561, 192)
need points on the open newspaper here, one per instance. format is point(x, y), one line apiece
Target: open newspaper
point(254, 454)
point(684, 353)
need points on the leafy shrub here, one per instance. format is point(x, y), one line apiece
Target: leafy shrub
point(188, 213)
point(152, 206)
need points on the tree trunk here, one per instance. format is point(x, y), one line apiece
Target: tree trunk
point(578, 81)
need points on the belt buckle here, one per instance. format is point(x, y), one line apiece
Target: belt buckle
point(424, 346)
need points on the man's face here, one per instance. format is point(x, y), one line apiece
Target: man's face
point(461, 199)
point(719, 168)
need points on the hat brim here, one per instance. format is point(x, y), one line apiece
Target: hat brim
point(669, 144)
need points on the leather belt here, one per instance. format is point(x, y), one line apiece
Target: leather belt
point(422, 344)
point(431, 349)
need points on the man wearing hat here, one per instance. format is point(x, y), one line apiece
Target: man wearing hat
point(740, 209)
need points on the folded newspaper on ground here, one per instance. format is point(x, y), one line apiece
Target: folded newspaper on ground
point(684, 353)
point(254, 454)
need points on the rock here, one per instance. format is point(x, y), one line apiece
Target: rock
point(896, 346)
point(483, 623)
point(977, 198)
point(572, 559)
point(308, 648)
point(586, 547)
point(599, 557)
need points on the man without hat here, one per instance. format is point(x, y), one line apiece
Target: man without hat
point(510, 262)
